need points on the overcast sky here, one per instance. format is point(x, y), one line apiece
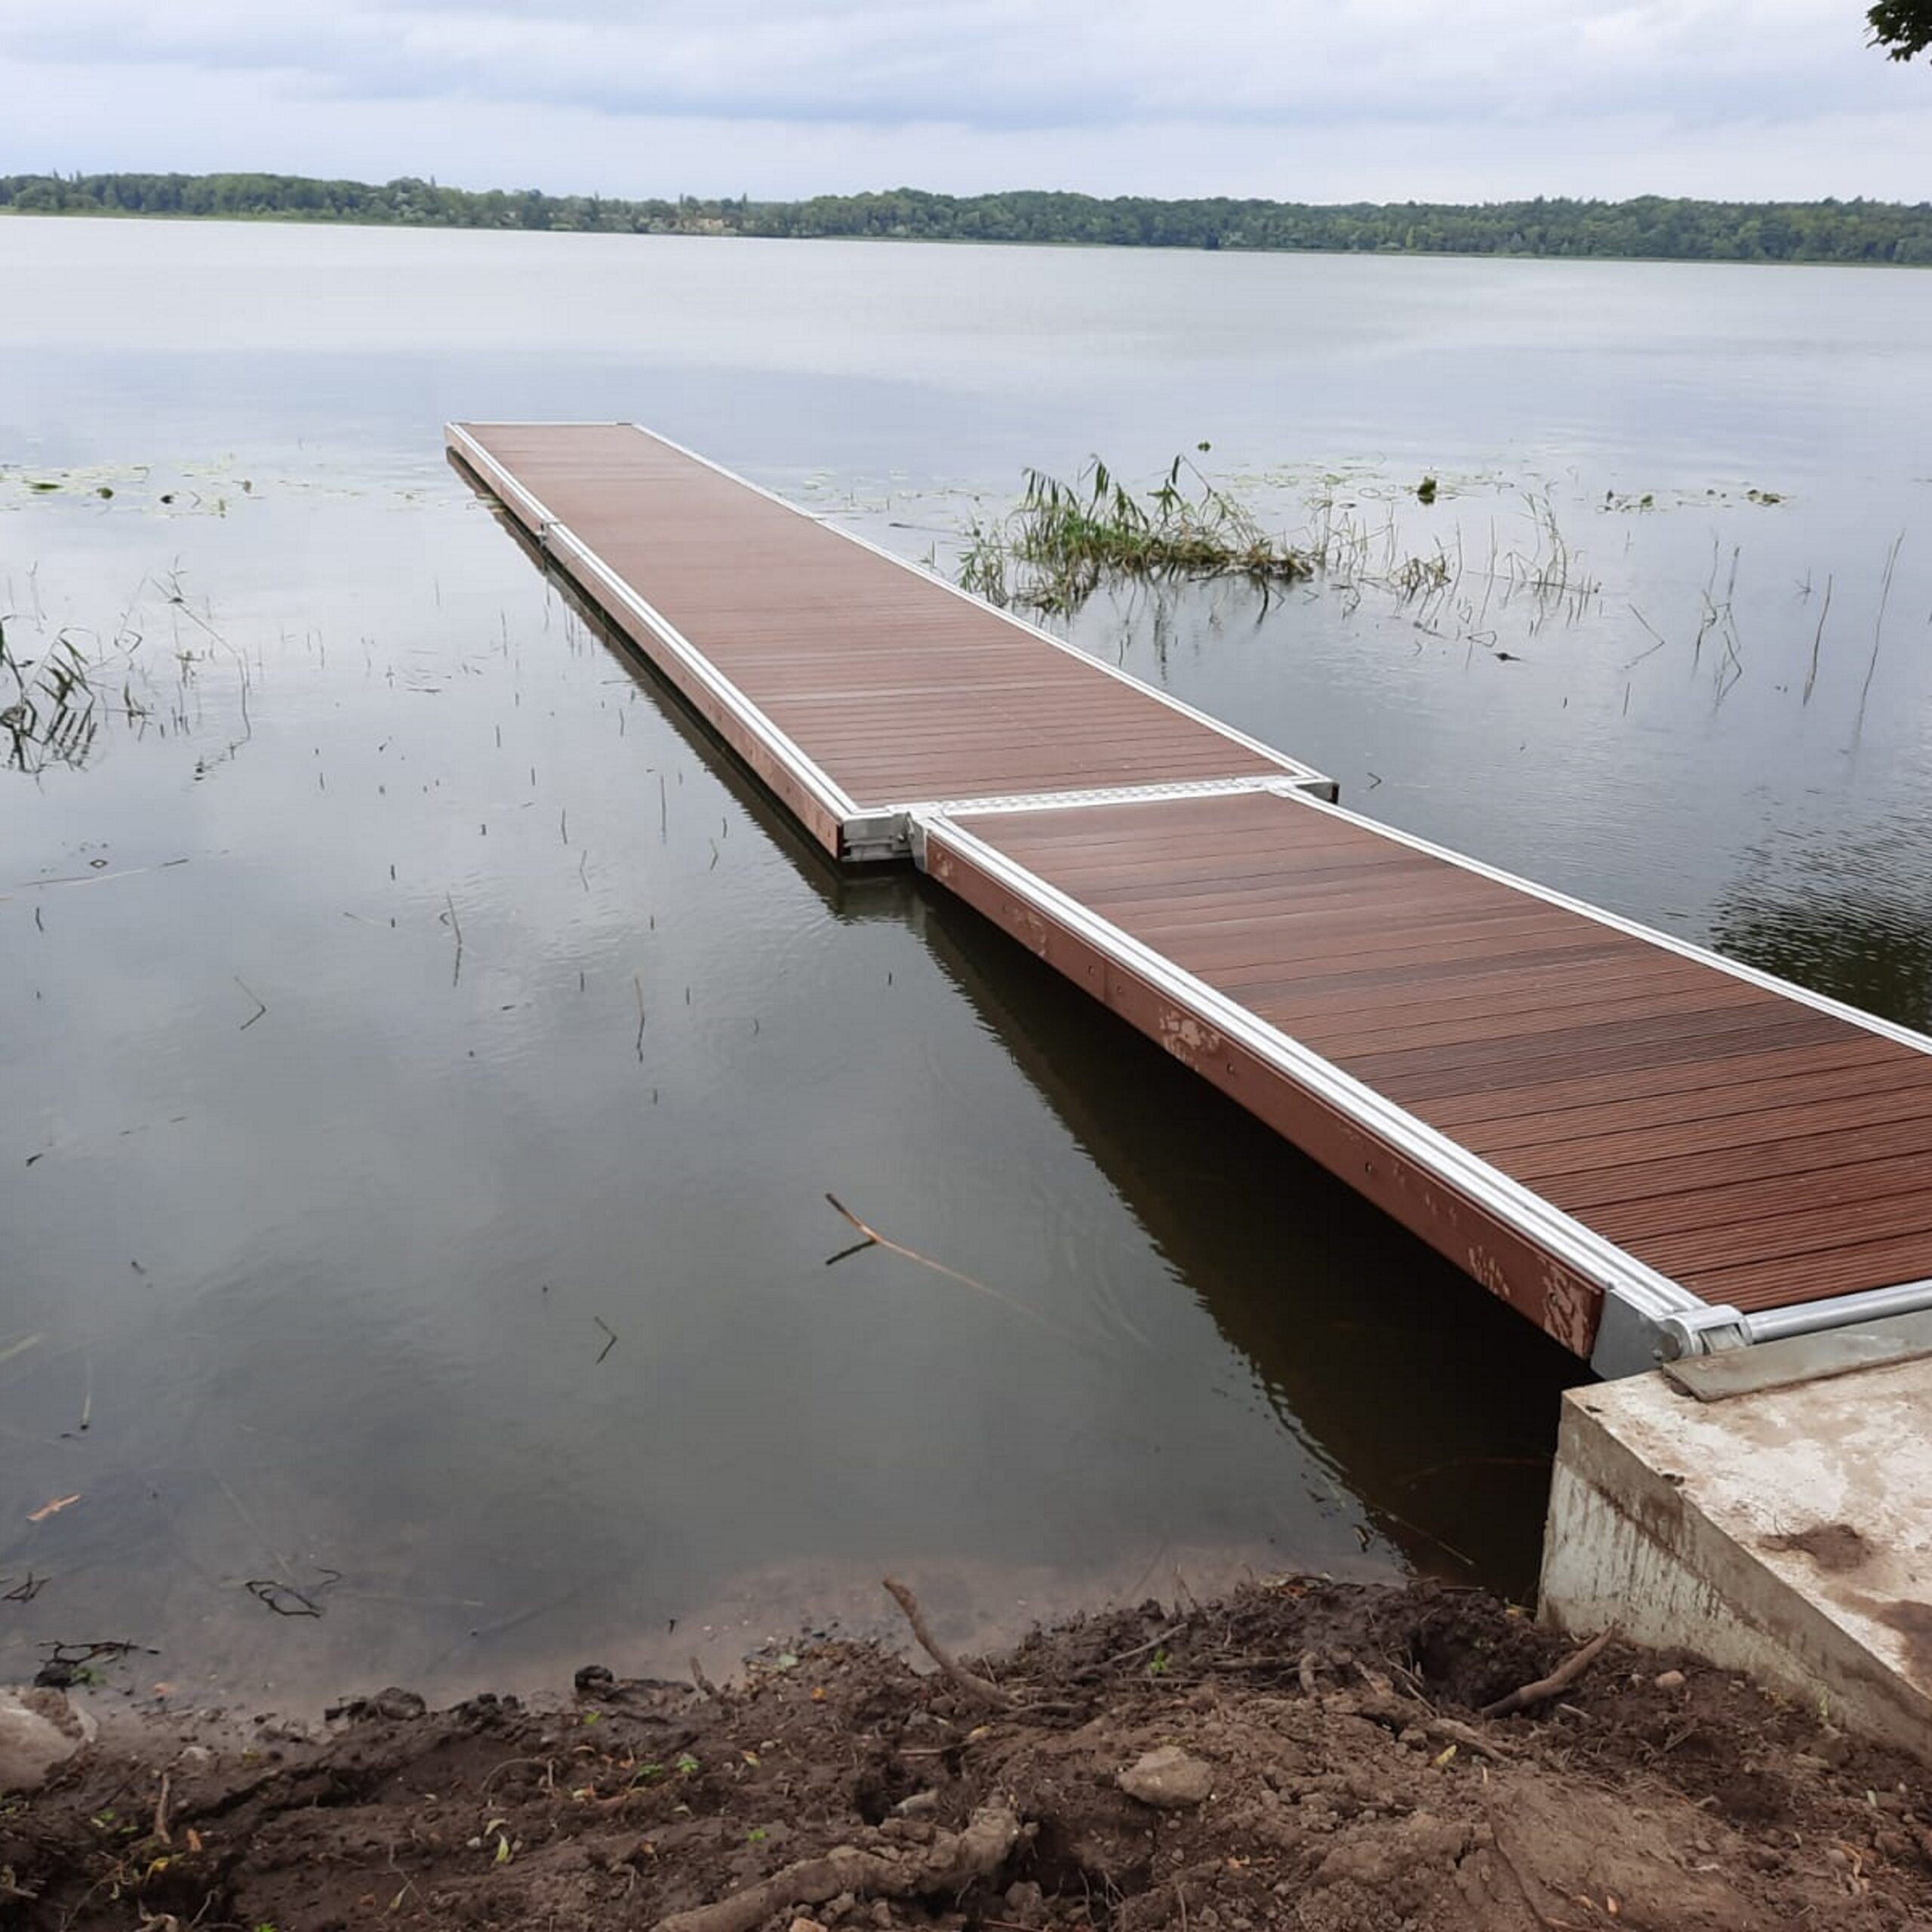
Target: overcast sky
point(1299, 99)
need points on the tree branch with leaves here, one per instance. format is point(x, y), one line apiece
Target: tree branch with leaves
point(1903, 27)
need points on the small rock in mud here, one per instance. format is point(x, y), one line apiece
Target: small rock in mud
point(1168, 1779)
point(395, 1705)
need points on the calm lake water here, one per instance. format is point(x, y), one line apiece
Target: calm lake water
point(403, 1002)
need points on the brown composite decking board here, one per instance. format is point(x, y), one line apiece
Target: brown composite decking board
point(1756, 1149)
point(899, 691)
point(1798, 1099)
point(1572, 1106)
point(1564, 1105)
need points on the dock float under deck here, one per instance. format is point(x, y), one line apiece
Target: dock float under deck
point(1648, 1150)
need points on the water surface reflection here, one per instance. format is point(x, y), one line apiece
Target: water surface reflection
point(403, 1001)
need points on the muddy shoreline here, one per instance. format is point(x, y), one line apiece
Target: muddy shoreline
point(1300, 1753)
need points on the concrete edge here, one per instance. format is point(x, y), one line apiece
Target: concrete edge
point(1627, 1543)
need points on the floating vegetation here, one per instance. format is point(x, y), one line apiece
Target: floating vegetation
point(206, 488)
point(1066, 540)
point(1616, 502)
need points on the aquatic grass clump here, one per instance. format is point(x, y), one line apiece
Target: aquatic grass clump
point(56, 702)
point(51, 717)
point(1066, 540)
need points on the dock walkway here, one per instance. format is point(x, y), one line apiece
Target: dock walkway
point(1649, 1151)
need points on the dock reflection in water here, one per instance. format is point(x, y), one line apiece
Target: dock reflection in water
point(1421, 1401)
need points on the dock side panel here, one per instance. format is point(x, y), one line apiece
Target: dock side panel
point(1565, 1304)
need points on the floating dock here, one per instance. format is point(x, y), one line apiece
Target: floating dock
point(859, 688)
point(1651, 1152)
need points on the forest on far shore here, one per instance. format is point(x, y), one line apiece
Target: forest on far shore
point(1651, 227)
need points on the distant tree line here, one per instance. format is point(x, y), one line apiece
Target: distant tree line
point(1651, 227)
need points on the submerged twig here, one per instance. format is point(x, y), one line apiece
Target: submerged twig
point(76, 1657)
point(284, 1599)
point(96, 878)
point(8, 1350)
point(1650, 650)
point(873, 1238)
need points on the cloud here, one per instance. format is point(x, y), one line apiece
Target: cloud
point(1002, 63)
point(1488, 79)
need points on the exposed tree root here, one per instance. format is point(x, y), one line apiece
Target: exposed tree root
point(950, 1863)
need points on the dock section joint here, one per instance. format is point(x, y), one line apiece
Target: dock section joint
point(1634, 1337)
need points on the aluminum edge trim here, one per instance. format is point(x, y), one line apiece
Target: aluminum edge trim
point(1888, 1029)
point(1809, 1318)
point(535, 513)
point(996, 805)
point(1647, 1292)
point(561, 537)
point(1292, 766)
point(870, 829)
point(553, 535)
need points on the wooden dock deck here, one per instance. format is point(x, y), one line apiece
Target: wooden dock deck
point(855, 685)
point(1648, 1150)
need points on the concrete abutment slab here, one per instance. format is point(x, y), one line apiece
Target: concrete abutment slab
point(1769, 1510)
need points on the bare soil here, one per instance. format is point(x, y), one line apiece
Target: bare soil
point(1352, 1784)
